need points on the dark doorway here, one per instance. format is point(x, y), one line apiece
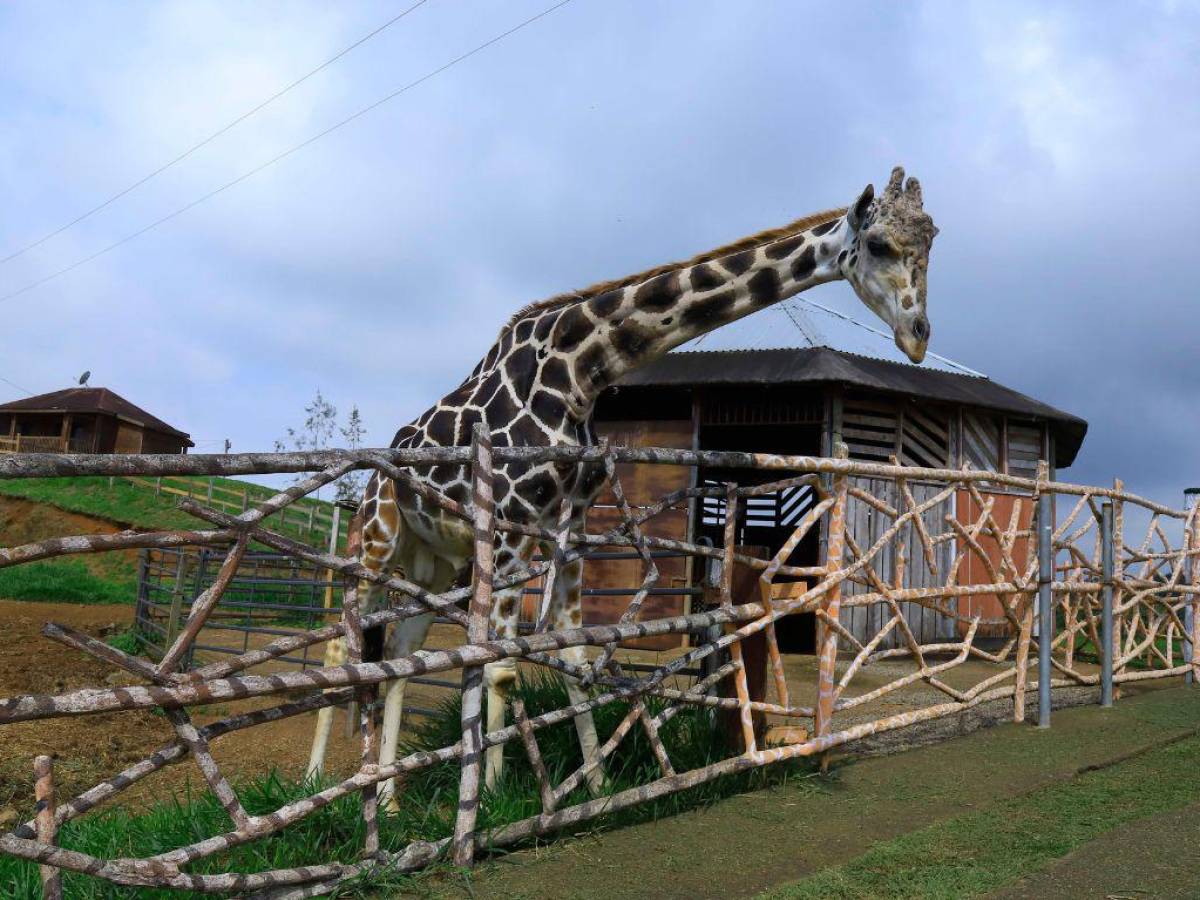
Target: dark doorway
point(766, 521)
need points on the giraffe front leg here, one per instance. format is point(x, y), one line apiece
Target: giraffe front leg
point(406, 638)
point(335, 655)
point(500, 678)
point(567, 612)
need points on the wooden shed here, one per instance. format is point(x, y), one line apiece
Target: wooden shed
point(800, 401)
point(85, 420)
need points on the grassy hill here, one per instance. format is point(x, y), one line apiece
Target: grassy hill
point(37, 508)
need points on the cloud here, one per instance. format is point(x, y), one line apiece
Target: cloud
point(1056, 148)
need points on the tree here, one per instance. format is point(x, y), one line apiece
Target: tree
point(320, 425)
point(350, 486)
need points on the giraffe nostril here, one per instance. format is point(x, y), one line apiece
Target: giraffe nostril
point(920, 328)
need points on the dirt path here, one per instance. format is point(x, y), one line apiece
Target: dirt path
point(92, 747)
point(753, 842)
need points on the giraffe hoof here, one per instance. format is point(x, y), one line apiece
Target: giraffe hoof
point(596, 782)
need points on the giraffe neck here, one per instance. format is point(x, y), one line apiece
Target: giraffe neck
point(619, 330)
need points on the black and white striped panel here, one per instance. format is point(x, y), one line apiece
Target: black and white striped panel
point(782, 509)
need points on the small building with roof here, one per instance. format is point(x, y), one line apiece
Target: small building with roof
point(802, 401)
point(85, 420)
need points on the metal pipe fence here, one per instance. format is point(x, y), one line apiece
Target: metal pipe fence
point(1070, 565)
point(273, 594)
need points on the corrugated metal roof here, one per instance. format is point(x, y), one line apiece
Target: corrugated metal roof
point(823, 365)
point(92, 400)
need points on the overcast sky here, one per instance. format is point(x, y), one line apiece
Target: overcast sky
point(1057, 145)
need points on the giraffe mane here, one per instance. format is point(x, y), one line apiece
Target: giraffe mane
point(757, 239)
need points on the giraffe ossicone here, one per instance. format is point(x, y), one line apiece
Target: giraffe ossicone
point(538, 384)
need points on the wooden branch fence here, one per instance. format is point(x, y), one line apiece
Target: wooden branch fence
point(1113, 610)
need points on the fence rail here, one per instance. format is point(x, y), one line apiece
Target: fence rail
point(312, 518)
point(273, 595)
point(1081, 602)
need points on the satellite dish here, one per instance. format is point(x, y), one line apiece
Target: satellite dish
point(84, 377)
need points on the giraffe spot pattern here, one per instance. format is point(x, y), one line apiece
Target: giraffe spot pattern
point(765, 287)
point(705, 278)
point(606, 304)
point(804, 265)
point(658, 293)
point(573, 327)
point(785, 248)
point(709, 310)
point(739, 263)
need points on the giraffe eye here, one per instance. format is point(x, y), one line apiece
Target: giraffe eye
point(881, 248)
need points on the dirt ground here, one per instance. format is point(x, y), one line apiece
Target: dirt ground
point(89, 748)
point(24, 521)
point(766, 838)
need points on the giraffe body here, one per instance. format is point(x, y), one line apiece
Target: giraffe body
point(540, 380)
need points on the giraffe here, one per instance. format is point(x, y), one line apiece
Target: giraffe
point(538, 384)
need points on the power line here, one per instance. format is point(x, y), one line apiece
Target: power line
point(791, 314)
point(23, 390)
point(884, 334)
point(212, 137)
point(270, 162)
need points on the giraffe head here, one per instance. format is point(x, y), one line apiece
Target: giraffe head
point(888, 254)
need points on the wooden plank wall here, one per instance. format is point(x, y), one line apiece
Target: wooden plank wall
point(643, 486)
point(867, 525)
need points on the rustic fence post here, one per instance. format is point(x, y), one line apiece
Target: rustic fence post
point(1106, 599)
point(1191, 575)
point(47, 828)
point(483, 516)
point(741, 686)
point(827, 637)
point(1045, 604)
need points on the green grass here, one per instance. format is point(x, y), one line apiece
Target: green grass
point(127, 642)
point(122, 502)
point(67, 581)
point(137, 506)
point(973, 854)
point(109, 577)
point(429, 801)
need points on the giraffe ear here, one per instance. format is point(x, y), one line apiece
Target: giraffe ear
point(858, 211)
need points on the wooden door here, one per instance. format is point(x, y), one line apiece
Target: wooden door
point(973, 570)
point(129, 438)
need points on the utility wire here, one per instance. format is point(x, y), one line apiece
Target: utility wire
point(286, 153)
point(791, 314)
point(884, 334)
point(25, 391)
point(212, 137)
